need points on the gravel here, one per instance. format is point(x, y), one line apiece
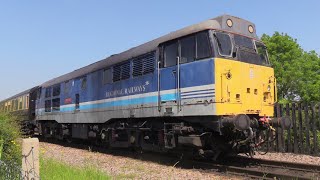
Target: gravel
point(290, 157)
point(122, 167)
point(128, 167)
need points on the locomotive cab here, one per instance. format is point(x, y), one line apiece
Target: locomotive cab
point(243, 73)
point(224, 77)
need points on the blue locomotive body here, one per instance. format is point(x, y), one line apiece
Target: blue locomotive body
point(90, 93)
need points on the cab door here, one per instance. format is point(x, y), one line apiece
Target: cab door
point(169, 74)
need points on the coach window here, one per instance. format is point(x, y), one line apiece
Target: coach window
point(24, 102)
point(27, 102)
point(20, 103)
point(170, 54)
point(16, 103)
point(203, 45)
point(224, 44)
point(188, 49)
point(12, 105)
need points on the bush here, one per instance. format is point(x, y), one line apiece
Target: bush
point(9, 135)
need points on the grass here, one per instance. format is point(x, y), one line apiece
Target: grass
point(54, 170)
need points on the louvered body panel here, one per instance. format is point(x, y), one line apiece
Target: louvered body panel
point(144, 64)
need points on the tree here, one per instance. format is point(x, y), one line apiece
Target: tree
point(309, 83)
point(297, 71)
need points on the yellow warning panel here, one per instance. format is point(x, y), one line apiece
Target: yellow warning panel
point(243, 88)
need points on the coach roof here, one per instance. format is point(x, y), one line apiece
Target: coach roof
point(239, 26)
point(19, 95)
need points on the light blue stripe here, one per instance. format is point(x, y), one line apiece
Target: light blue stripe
point(67, 109)
point(126, 102)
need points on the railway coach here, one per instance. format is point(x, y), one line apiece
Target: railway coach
point(207, 89)
point(22, 107)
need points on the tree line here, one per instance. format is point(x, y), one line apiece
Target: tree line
point(297, 71)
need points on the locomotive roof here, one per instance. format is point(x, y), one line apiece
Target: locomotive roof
point(239, 26)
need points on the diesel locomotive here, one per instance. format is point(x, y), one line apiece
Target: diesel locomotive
point(207, 89)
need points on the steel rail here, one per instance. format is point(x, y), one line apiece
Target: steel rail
point(265, 169)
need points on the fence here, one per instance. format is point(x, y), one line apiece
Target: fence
point(29, 169)
point(10, 171)
point(304, 136)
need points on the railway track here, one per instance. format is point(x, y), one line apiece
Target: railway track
point(234, 166)
point(262, 169)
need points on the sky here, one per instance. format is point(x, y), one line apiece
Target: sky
point(40, 40)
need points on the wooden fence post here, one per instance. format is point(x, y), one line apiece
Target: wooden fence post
point(306, 111)
point(294, 124)
point(289, 148)
point(279, 131)
point(301, 135)
point(314, 130)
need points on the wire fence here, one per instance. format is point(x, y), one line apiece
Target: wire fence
point(14, 171)
point(29, 165)
point(10, 171)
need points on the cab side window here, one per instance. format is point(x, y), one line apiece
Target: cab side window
point(170, 54)
point(188, 47)
point(203, 45)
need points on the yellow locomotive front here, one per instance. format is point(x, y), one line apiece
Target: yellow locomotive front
point(245, 87)
point(245, 82)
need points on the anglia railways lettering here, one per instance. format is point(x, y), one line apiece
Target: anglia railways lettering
point(128, 91)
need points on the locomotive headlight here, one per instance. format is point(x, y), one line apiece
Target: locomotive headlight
point(250, 29)
point(269, 88)
point(229, 23)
